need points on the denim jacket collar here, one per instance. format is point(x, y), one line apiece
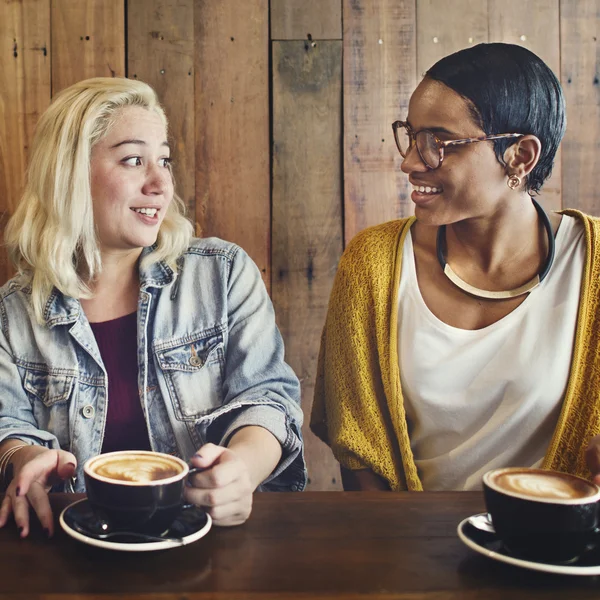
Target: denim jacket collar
point(64, 310)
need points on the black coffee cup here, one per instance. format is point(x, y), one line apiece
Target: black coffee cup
point(136, 490)
point(542, 515)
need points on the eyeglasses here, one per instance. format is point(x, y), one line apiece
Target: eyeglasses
point(429, 146)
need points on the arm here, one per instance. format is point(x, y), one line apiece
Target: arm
point(33, 468)
point(259, 388)
point(357, 409)
point(254, 437)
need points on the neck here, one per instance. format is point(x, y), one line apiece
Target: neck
point(525, 261)
point(510, 234)
point(116, 289)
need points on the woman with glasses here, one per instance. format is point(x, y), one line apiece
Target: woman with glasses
point(465, 338)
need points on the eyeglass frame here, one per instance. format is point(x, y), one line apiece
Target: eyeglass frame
point(441, 144)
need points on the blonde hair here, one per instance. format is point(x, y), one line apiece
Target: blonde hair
point(51, 237)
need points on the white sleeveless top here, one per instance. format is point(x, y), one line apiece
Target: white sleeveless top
point(477, 400)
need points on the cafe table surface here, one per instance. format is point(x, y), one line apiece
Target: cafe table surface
point(317, 545)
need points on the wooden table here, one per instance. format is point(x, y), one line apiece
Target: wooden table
point(304, 546)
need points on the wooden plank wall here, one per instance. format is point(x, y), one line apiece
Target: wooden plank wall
point(25, 55)
point(280, 117)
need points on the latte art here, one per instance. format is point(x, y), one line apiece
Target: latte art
point(136, 468)
point(542, 485)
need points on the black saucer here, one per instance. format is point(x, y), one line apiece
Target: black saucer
point(78, 521)
point(489, 545)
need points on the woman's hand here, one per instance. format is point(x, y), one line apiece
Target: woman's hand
point(36, 470)
point(592, 458)
point(223, 487)
point(230, 475)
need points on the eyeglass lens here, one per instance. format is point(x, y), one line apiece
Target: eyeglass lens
point(426, 143)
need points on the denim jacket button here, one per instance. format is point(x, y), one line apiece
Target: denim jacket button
point(195, 361)
point(88, 411)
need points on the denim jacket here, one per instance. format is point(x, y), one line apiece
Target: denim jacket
point(210, 360)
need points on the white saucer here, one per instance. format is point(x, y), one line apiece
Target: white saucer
point(193, 520)
point(489, 545)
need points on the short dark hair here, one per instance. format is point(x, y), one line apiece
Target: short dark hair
point(509, 90)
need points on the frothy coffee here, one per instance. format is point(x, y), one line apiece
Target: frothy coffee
point(136, 468)
point(541, 484)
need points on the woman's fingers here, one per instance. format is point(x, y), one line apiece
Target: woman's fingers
point(20, 508)
point(211, 497)
point(221, 467)
point(39, 501)
point(29, 489)
point(46, 468)
point(37, 498)
point(223, 487)
point(5, 510)
point(227, 506)
point(234, 513)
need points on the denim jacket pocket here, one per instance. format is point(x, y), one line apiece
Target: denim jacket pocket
point(50, 395)
point(48, 388)
point(193, 370)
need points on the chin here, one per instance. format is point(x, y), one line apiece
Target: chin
point(141, 242)
point(429, 218)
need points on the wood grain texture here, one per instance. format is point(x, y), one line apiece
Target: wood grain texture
point(232, 124)
point(379, 77)
point(306, 19)
point(88, 40)
point(294, 546)
point(580, 77)
point(444, 27)
point(307, 218)
point(160, 42)
point(533, 24)
point(24, 95)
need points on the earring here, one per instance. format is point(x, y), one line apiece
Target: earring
point(514, 182)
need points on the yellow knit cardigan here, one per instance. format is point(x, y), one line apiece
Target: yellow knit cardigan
point(358, 407)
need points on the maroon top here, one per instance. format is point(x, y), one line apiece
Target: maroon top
point(125, 423)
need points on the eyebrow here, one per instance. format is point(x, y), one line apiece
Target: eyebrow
point(435, 129)
point(138, 142)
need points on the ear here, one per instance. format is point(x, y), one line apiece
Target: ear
point(523, 155)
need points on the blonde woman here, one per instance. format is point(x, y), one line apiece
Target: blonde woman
point(121, 331)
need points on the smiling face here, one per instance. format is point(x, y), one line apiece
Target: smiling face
point(131, 183)
point(470, 181)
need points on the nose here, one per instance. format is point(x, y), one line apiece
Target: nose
point(158, 180)
point(413, 162)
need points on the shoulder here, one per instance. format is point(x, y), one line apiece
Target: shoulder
point(581, 217)
point(376, 245)
point(213, 254)
point(15, 300)
point(212, 247)
point(15, 290)
point(591, 226)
